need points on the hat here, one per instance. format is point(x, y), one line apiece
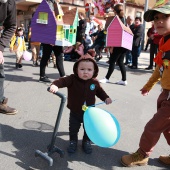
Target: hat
point(86, 57)
point(162, 6)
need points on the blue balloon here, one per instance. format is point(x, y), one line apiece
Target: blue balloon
point(102, 127)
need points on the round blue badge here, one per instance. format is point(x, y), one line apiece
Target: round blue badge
point(92, 86)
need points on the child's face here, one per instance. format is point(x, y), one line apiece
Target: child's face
point(162, 23)
point(85, 70)
point(20, 32)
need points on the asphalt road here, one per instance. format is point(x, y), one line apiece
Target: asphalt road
point(31, 128)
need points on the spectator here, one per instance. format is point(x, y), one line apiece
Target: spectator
point(8, 18)
point(87, 30)
point(87, 43)
point(81, 27)
point(92, 27)
point(137, 40)
point(154, 42)
point(148, 40)
point(99, 41)
point(130, 23)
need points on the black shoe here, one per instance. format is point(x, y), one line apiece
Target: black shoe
point(19, 65)
point(149, 68)
point(72, 147)
point(44, 79)
point(36, 63)
point(133, 67)
point(55, 66)
point(16, 65)
point(108, 62)
point(86, 145)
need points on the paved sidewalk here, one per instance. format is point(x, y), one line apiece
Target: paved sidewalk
point(32, 127)
point(143, 60)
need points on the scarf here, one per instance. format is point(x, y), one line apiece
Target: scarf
point(163, 47)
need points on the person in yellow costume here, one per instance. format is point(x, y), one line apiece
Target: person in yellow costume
point(18, 46)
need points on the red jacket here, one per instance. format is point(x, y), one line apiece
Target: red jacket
point(157, 37)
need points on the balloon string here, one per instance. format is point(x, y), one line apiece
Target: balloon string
point(99, 103)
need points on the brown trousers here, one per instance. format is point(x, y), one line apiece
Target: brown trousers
point(160, 123)
point(35, 51)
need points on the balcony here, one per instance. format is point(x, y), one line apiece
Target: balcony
point(27, 2)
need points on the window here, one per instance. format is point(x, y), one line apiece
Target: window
point(138, 14)
point(59, 17)
point(71, 31)
point(42, 18)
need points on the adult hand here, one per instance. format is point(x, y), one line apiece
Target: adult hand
point(1, 58)
point(144, 92)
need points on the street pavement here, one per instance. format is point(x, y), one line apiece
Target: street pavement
point(32, 127)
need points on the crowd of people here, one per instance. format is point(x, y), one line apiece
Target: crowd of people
point(82, 84)
point(90, 36)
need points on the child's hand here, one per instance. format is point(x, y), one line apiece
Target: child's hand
point(108, 101)
point(53, 89)
point(11, 50)
point(144, 92)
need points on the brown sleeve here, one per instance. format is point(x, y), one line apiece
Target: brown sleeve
point(64, 81)
point(9, 25)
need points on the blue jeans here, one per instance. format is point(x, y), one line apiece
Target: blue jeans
point(136, 50)
point(67, 57)
point(128, 57)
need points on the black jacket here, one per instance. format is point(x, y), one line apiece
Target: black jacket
point(101, 38)
point(138, 35)
point(8, 20)
point(82, 26)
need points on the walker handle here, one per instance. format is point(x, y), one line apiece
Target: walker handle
point(62, 96)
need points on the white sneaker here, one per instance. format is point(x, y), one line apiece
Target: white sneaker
point(121, 82)
point(104, 80)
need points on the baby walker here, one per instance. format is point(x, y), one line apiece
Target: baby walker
point(52, 148)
